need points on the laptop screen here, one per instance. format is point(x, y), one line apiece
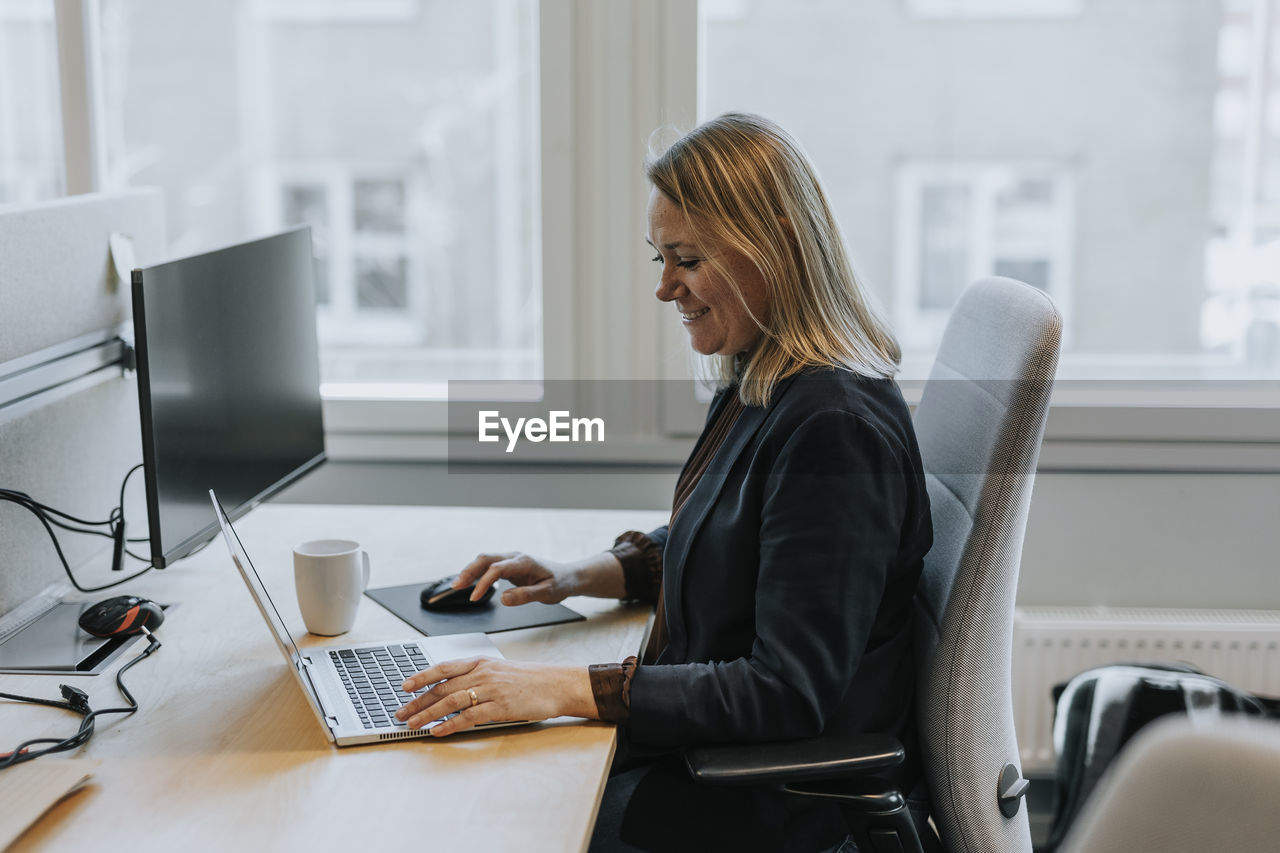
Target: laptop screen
point(259, 591)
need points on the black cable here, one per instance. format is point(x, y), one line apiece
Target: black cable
point(78, 701)
point(23, 496)
point(102, 533)
point(123, 483)
point(119, 510)
point(62, 558)
point(116, 516)
point(49, 517)
point(35, 507)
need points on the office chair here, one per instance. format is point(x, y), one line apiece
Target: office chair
point(979, 424)
point(1181, 787)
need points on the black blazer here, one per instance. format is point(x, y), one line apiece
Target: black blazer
point(789, 573)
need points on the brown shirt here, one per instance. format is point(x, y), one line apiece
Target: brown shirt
point(641, 560)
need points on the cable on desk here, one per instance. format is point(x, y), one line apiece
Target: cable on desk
point(76, 700)
point(115, 524)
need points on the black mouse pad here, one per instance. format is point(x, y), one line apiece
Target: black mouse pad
point(489, 618)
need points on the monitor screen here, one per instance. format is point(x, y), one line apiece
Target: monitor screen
point(228, 382)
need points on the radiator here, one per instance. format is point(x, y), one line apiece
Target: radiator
point(1052, 644)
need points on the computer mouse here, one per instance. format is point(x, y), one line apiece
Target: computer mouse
point(440, 595)
point(122, 616)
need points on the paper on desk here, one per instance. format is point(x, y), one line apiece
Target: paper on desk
point(29, 790)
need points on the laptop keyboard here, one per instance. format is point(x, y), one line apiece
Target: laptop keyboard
point(373, 677)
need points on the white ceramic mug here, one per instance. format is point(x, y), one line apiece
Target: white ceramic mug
point(330, 576)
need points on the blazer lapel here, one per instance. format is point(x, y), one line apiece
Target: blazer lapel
point(682, 532)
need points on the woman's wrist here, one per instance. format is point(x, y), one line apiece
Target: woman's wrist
point(599, 575)
point(579, 698)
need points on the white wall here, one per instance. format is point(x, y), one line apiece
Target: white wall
point(1153, 540)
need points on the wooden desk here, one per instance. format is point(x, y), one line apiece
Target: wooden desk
point(226, 754)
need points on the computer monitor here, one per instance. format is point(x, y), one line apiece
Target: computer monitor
point(228, 382)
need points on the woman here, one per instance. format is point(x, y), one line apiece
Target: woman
point(784, 580)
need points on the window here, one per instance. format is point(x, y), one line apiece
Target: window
point(30, 115)
point(405, 133)
point(1124, 157)
point(1241, 314)
point(370, 250)
point(993, 8)
point(328, 11)
point(962, 222)
point(1129, 163)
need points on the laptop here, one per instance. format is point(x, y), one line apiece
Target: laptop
point(354, 690)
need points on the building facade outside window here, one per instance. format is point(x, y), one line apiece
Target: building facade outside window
point(961, 222)
point(1124, 156)
point(404, 132)
point(1153, 218)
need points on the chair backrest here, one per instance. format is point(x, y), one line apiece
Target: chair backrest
point(1181, 787)
point(979, 424)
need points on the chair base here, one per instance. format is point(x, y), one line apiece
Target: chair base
point(878, 818)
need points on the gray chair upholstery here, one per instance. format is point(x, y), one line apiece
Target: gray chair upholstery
point(979, 423)
point(1180, 787)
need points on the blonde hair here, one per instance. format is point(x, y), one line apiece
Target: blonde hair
point(743, 183)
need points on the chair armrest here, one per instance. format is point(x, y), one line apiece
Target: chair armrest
point(823, 757)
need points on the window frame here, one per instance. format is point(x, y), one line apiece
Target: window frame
point(386, 427)
point(342, 317)
point(919, 326)
point(595, 116)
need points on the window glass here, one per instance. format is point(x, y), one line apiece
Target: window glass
point(992, 8)
point(379, 206)
point(963, 221)
point(382, 283)
point(1123, 156)
point(31, 163)
point(404, 132)
point(308, 203)
point(944, 257)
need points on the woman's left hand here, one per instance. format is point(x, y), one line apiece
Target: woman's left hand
point(486, 690)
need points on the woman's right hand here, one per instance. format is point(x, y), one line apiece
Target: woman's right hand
point(534, 579)
point(541, 580)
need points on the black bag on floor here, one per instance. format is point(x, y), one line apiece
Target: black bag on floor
point(1098, 711)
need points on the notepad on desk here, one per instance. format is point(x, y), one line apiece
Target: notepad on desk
point(31, 789)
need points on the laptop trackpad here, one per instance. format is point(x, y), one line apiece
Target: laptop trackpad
point(451, 646)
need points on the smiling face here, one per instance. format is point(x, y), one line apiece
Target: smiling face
point(714, 315)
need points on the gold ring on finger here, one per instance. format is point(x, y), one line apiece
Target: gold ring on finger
point(475, 700)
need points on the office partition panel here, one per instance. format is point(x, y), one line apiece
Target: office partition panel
point(68, 421)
